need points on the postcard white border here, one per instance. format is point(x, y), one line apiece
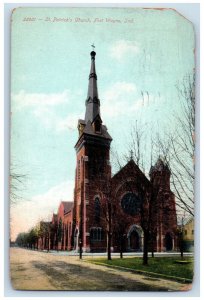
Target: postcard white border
point(189, 10)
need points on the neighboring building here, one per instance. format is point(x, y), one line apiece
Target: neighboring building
point(188, 234)
point(126, 196)
point(62, 227)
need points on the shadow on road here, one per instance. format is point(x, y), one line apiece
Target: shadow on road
point(65, 276)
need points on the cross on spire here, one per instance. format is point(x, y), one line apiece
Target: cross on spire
point(93, 46)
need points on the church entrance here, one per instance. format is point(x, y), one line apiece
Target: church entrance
point(135, 238)
point(134, 241)
point(168, 242)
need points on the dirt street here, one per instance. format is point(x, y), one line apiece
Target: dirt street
point(33, 270)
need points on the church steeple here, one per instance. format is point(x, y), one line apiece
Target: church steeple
point(92, 101)
point(93, 125)
point(93, 167)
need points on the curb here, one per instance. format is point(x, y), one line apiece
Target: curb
point(150, 274)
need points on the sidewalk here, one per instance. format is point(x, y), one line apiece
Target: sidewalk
point(115, 254)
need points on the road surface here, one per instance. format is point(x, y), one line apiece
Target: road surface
point(33, 270)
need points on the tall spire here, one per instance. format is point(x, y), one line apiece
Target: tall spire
point(92, 101)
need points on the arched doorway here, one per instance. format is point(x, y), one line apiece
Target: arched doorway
point(168, 241)
point(135, 238)
point(134, 241)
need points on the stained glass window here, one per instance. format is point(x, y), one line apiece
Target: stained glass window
point(131, 204)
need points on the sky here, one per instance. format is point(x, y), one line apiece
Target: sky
point(141, 55)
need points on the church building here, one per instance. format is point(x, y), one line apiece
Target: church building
point(120, 207)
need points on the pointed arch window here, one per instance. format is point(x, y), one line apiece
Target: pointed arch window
point(96, 234)
point(97, 210)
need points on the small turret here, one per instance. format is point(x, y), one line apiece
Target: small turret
point(160, 174)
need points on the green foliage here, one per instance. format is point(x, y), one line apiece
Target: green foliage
point(160, 265)
point(22, 239)
point(25, 239)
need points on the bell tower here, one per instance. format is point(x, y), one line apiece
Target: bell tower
point(164, 209)
point(92, 170)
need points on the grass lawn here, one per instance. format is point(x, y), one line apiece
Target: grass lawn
point(160, 265)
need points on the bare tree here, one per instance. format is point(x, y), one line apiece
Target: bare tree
point(17, 182)
point(178, 148)
point(149, 193)
point(137, 153)
point(108, 206)
point(104, 188)
point(139, 142)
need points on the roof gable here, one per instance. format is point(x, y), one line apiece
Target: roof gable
point(68, 205)
point(131, 170)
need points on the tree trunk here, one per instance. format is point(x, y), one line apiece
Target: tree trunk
point(152, 242)
point(121, 247)
point(181, 246)
point(109, 245)
point(109, 230)
point(48, 243)
point(145, 249)
point(57, 243)
point(80, 249)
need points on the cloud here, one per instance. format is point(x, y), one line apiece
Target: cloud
point(68, 123)
point(26, 214)
point(123, 98)
point(116, 99)
point(46, 115)
point(46, 108)
point(50, 120)
point(23, 99)
point(122, 48)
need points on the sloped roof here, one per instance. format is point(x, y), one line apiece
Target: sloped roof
point(188, 220)
point(67, 206)
point(80, 121)
point(104, 133)
point(131, 167)
point(88, 128)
